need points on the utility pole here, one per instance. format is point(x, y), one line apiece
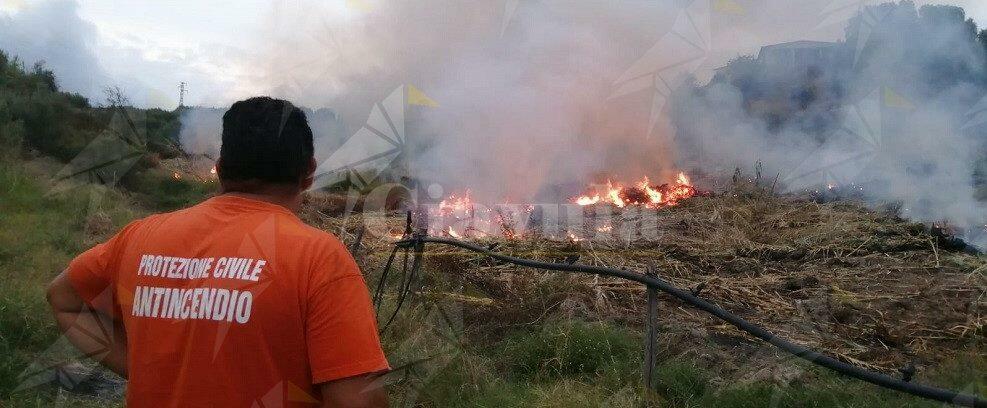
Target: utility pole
point(181, 94)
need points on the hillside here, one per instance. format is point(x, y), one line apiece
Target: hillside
point(71, 174)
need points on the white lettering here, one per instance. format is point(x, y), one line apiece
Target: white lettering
point(220, 265)
point(197, 304)
point(243, 306)
point(220, 304)
point(255, 274)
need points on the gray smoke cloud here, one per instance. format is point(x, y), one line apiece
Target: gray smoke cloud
point(52, 32)
point(891, 115)
point(536, 97)
point(526, 90)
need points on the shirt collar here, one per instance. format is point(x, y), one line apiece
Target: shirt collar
point(248, 204)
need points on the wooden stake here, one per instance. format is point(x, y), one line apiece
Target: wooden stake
point(651, 338)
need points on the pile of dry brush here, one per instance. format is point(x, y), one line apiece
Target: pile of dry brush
point(865, 286)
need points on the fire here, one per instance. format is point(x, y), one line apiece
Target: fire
point(682, 179)
point(456, 203)
point(176, 176)
point(458, 207)
point(212, 170)
point(586, 200)
point(458, 216)
point(641, 193)
point(453, 233)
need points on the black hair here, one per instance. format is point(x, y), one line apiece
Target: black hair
point(265, 140)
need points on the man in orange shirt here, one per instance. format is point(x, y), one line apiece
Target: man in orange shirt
point(232, 302)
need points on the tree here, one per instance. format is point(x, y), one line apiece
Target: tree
point(115, 97)
point(45, 76)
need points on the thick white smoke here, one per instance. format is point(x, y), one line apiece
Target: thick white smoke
point(531, 94)
point(528, 92)
point(892, 117)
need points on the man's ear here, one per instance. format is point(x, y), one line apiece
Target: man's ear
point(309, 175)
point(219, 175)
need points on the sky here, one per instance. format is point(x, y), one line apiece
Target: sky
point(198, 42)
point(149, 47)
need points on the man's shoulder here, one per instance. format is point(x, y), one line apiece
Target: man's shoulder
point(324, 256)
point(153, 219)
point(287, 226)
point(317, 237)
point(153, 223)
point(144, 221)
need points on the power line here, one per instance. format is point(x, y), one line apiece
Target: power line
point(181, 94)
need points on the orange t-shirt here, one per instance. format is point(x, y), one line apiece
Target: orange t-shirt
point(233, 302)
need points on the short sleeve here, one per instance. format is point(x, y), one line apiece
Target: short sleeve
point(93, 272)
point(341, 328)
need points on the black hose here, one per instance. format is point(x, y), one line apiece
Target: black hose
point(379, 290)
point(407, 279)
point(923, 391)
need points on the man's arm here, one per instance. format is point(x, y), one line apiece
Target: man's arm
point(362, 391)
point(344, 349)
point(94, 333)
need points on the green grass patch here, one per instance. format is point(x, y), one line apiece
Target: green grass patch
point(581, 364)
point(158, 190)
point(825, 389)
point(40, 232)
point(575, 350)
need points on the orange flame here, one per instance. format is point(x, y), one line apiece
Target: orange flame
point(682, 179)
point(587, 200)
point(641, 193)
point(453, 233)
point(457, 206)
point(456, 203)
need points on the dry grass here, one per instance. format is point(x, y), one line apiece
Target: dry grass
point(866, 287)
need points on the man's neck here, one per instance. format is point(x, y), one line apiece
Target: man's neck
point(291, 202)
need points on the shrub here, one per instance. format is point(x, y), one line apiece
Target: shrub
point(159, 190)
point(573, 349)
point(11, 138)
